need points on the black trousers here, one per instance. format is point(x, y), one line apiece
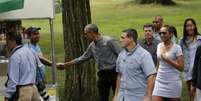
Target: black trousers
point(106, 81)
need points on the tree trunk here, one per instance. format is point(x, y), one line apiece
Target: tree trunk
point(80, 82)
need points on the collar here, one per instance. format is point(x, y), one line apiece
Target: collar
point(198, 37)
point(98, 39)
point(15, 49)
point(145, 41)
point(133, 50)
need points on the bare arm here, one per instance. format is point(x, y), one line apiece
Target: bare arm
point(157, 65)
point(178, 64)
point(150, 87)
point(45, 61)
point(62, 66)
point(117, 87)
point(69, 63)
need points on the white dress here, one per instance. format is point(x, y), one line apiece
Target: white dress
point(168, 82)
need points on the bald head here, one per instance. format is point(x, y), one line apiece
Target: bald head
point(159, 19)
point(91, 28)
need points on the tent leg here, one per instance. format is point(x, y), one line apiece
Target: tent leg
point(53, 59)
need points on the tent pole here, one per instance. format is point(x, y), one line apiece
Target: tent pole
point(53, 52)
point(54, 80)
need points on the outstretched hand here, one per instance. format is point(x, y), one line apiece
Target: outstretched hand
point(60, 66)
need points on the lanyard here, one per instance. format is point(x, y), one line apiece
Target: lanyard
point(15, 49)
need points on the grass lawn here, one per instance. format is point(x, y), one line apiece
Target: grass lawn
point(112, 16)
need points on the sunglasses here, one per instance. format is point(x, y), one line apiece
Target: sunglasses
point(162, 33)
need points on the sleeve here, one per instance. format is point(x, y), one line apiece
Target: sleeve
point(158, 51)
point(196, 64)
point(148, 66)
point(179, 51)
point(117, 64)
point(39, 52)
point(180, 42)
point(115, 46)
point(38, 62)
point(13, 76)
point(85, 56)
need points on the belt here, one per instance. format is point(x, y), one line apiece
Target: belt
point(30, 84)
point(109, 72)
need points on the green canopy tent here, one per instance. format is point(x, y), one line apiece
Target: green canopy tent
point(8, 5)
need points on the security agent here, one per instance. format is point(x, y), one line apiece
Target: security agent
point(21, 71)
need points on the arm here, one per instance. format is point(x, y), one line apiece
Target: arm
point(149, 69)
point(62, 66)
point(117, 87)
point(157, 65)
point(45, 61)
point(115, 46)
point(13, 74)
point(86, 56)
point(178, 64)
point(69, 63)
point(150, 87)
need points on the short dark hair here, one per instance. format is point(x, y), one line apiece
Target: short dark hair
point(14, 37)
point(92, 28)
point(130, 32)
point(148, 25)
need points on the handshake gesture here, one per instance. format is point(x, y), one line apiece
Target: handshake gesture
point(62, 66)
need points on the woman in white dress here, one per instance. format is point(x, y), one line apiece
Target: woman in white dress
point(168, 83)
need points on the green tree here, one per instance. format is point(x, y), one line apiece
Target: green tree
point(80, 82)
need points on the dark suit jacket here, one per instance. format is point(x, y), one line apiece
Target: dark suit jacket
point(196, 76)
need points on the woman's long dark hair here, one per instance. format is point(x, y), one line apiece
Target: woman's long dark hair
point(185, 33)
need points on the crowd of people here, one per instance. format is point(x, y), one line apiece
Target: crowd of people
point(146, 69)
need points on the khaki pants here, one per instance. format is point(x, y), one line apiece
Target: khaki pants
point(198, 95)
point(29, 93)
